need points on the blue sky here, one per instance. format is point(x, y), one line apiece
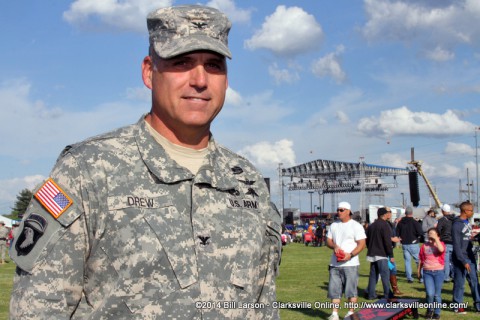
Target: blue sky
point(335, 80)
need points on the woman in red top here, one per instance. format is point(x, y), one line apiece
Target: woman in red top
point(432, 260)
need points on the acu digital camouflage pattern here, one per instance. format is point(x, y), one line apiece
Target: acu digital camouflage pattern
point(147, 239)
point(181, 29)
point(4, 231)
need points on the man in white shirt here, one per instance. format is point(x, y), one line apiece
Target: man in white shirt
point(347, 239)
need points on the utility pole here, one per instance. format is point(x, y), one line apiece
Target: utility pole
point(362, 187)
point(476, 203)
point(468, 187)
point(280, 185)
point(311, 202)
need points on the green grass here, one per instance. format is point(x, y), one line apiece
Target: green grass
point(6, 280)
point(303, 278)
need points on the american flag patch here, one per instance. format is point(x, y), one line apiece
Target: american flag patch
point(53, 198)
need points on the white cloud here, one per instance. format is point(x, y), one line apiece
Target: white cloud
point(283, 75)
point(437, 26)
point(139, 93)
point(229, 8)
point(263, 105)
point(403, 122)
point(287, 32)
point(439, 54)
point(459, 148)
point(120, 14)
point(444, 170)
point(394, 160)
point(233, 97)
point(330, 66)
point(267, 155)
point(50, 128)
point(342, 117)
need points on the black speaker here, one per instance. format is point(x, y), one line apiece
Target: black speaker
point(289, 218)
point(414, 193)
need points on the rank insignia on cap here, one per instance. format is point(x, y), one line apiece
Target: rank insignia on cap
point(52, 197)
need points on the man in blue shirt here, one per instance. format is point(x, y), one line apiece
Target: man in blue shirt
point(464, 264)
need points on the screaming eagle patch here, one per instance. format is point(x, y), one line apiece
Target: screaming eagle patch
point(52, 197)
point(34, 228)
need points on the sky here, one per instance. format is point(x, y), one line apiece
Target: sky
point(335, 80)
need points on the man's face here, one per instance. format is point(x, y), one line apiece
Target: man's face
point(343, 213)
point(188, 90)
point(389, 214)
point(469, 211)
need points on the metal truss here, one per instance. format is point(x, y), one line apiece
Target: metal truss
point(330, 176)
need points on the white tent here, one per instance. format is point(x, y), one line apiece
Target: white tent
point(8, 222)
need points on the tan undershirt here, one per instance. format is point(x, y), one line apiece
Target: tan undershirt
point(189, 158)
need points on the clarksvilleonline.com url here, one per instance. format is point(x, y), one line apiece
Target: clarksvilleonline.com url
point(406, 305)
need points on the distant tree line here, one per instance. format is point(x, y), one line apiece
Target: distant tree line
point(21, 204)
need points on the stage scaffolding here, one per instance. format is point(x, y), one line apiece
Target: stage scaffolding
point(331, 177)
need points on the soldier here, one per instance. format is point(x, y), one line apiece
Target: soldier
point(155, 220)
point(4, 231)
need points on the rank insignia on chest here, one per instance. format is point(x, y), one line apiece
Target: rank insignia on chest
point(53, 198)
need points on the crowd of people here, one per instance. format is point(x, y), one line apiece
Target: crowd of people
point(6, 238)
point(442, 249)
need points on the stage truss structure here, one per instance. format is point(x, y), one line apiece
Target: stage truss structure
point(330, 177)
point(339, 177)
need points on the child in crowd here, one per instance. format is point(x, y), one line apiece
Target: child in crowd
point(432, 261)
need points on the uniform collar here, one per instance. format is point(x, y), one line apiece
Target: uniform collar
point(216, 172)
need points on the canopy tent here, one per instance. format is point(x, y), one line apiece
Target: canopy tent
point(8, 222)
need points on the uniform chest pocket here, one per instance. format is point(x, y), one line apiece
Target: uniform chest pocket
point(138, 240)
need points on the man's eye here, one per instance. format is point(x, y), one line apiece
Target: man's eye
point(180, 63)
point(215, 67)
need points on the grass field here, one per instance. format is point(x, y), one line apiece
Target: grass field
point(6, 279)
point(303, 278)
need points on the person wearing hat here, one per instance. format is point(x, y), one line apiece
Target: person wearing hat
point(409, 231)
point(380, 251)
point(4, 231)
point(155, 220)
point(444, 227)
point(346, 237)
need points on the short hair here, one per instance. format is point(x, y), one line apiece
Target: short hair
point(465, 204)
point(434, 229)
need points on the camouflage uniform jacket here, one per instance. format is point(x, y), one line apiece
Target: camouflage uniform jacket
point(4, 231)
point(147, 239)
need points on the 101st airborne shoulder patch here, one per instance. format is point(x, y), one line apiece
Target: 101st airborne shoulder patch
point(53, 198)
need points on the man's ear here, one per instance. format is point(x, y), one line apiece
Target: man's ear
point(147, 71)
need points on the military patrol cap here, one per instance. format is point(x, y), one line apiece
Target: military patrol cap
point(181, 29)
